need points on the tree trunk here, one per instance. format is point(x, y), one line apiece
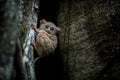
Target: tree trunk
point(8, 30)
point(89, 39)
point(28, 16)
point(16, 53)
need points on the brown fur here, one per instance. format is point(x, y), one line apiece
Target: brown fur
point(46, 39)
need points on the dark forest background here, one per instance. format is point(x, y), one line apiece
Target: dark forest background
point(88, 47)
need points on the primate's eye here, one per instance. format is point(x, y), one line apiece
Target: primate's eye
point(46, 26)
point(52, 28)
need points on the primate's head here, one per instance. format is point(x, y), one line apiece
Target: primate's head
point(49, 27)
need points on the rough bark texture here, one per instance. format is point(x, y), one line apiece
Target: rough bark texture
point(89, 40)
point(8, 31)
point(16, 53)
point(27, 16)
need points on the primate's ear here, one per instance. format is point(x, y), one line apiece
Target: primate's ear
point(58, 29)
point(42, 21)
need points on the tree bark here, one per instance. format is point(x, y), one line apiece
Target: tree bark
point(8, 30)
point(15, 36)
point(28, 16)
point(89, 39)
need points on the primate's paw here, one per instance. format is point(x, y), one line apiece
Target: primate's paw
point(33, 43)
point(33, 26)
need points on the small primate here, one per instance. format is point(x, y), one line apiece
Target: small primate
point(46, 39)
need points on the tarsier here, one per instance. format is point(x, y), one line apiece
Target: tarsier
point(46, 39)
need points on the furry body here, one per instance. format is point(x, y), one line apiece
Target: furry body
point(46, 39)
point(45, 43)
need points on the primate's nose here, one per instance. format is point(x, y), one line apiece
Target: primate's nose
point(47, 30)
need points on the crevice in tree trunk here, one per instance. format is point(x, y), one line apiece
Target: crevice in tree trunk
point(50, 67)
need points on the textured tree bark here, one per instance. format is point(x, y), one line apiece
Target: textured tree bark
point(89, 40)
point(8, 30)
point(27, 16)
point(15, 36)
point(19, 66)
